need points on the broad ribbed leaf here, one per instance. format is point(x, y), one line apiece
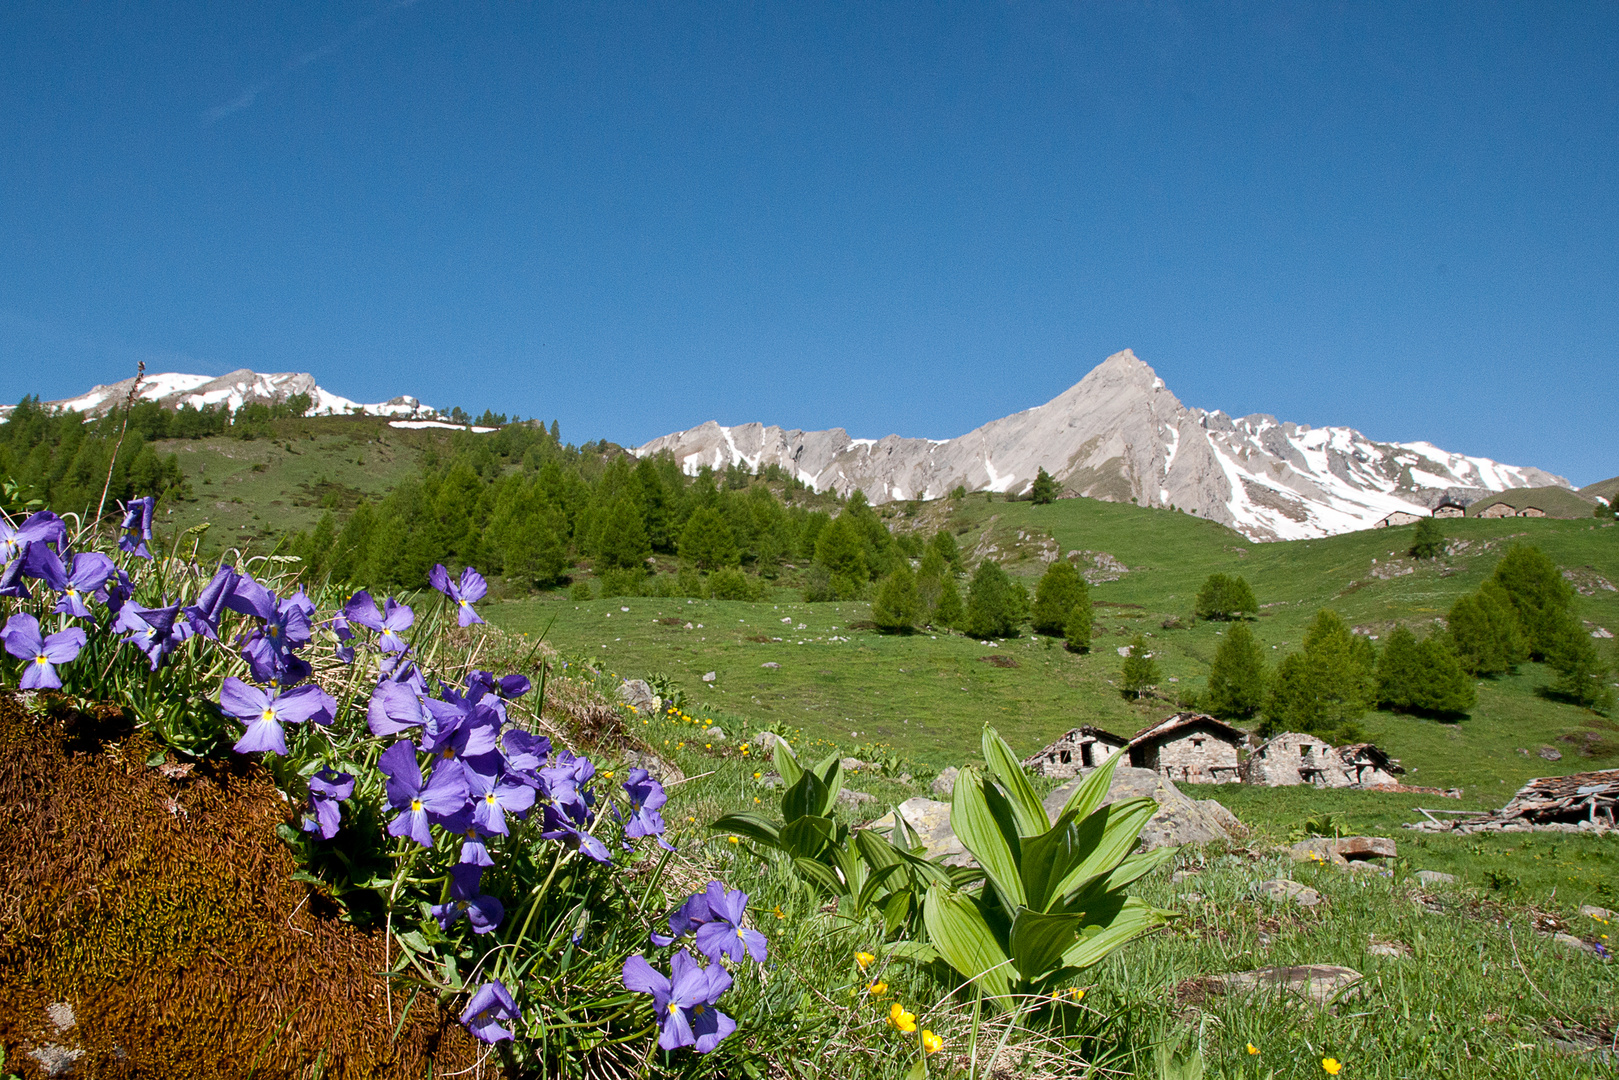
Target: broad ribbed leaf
point(1121, 824)
point(917, 952)
point(874, 884)
point(896, 910)
point(1092, 790)
point(830, 770)
point(985, 837)
point(804, 798)
point(1131, 870)
point(1049, 857)
point(850, 866)
point(786, 762)
point(1117, 925)
point(956, 927)
point(821, 874)
point(807, 837)
point(1039, 940)
point(753, 826)
point(1030, 815)
point(877, 852)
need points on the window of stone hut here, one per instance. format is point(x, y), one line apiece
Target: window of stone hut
point(1196, 743)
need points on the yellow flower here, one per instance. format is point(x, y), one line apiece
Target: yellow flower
point(1252, 1049)
point(608, 774)
point(864, 959)
point(733, 839)
point(757, 776)
point(778, 913)
point(899, 1018)
point(877, 989)
point(1332, 1065)
point(691, 820)
point(708, 746)
point(931, 1043)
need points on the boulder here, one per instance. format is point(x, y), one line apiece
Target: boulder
point(853, 764)
point(1591, 911)
point(716, 732)
point(638, 693)
point(850, 799)
point(1434, 877)
point(1569, 941)
point(1550, 753)
point(663, 771)
point(1287, 889)
point(1394, 950)
point(708, 676)
point(1179, 820)
point(765, 742)
point(930, 820)
point(1317, 984)
point(945, 782)
point(1343, 849)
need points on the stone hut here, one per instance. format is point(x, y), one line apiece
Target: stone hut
point(1531, 511)
point(1363, 765)
point(1189, 748)
point(1399, 517)
point(1449, 510)
point(1498, 510)
point(1078, 751)
point(1292, 758)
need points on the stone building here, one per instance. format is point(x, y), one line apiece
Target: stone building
point(1078, 751)
point(1190, 748)
point(1289, 759)
point(1531, 511)
point(1498, 510)
point(1399, 517)
point(1364, 765)
point(1449, 510)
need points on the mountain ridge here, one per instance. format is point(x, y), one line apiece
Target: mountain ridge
point(1120, 434)
point(233, 390)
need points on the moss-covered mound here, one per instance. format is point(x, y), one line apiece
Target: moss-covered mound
point(161, 908)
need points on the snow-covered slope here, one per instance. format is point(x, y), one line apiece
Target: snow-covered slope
point(1119, 434)
point(235, 389)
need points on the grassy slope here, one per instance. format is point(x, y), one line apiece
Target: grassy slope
point(928, 697)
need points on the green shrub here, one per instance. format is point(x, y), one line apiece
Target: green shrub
point(1060, 590)
point(1422, 676)
point(1044, 489)
point(897, 607)
point(1484, 631)
point(1237, 676)
point(733, 584)
point(1140, 672)
point(1429, 541)
point(1076, 631)
point(579, 590)
point(618, 582)
point(993, 603)
point(1538, 593)
point(949, 612)
point(1225, 597)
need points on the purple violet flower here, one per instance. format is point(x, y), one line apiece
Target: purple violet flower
point(395, 707)
point(473, 849)
point(212, 603)
point(491, 1003)
point(494, 795)
point(89, 571)
point(646, 798)
point(466, 592)
point(419, 804)
point(327, 789)
point(559, 827)
point(264, 711)
point(23, 641)
point(724, 934)
point(389, 622)
point(684, 1004)
point(41, 562)
point(482, 911)
point(154, 631)
point(43, 527)
point(685, 919)
point(137, 526)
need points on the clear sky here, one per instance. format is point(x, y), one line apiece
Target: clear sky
point(886, 217)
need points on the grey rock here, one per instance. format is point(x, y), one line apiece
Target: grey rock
point(55, 1060)
point(1226, 818)
point(1179, 820)
point(61, 1015)
point(1342, 850)
point(708, 676)
point(1316, 984)
point(945, 782)
point(637, 692)
point(852, 764)
point(765, 742)
point(770, 780)
point(1363, 866)
point(1182, 875)
point(664, 771)
point(1550, 753)
point(1569, 941)
point(1286, 889)
point(1591, 911)
point(771, 664)
point(851, 799)
point(716, 732)
point(1394, 950)
point(930, 820)
point(1434, 877)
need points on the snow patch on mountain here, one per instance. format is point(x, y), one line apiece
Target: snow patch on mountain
point(175, 389)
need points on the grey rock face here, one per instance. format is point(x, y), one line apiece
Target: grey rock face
point(1179, 820)
point(1119, 434)
point(636, 692)
point(945, 782)
point(850, 799)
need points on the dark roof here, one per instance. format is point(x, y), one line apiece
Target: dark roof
point(1366, 751)
point(1181, 720)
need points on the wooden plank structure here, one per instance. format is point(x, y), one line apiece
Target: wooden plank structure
point(1579, 802)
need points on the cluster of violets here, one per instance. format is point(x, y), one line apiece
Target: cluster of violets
point(684, 1001)
point(481, 773)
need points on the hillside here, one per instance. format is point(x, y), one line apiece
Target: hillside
point(1119, 434)
point(927, 697)
point(1555, 502)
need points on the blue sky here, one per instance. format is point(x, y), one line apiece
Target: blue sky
point(891, 218)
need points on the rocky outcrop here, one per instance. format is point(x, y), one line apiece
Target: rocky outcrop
point(1179, 820)
point(1119, 434)
point(173, 389)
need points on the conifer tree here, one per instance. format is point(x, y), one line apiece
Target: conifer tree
point(1140, 671)
point(1538, 593)
point(1225, 597)
point(945, 545)
point(1325, 686)
point(707, 542)
point(1237, 676)
point(1429, 541)
point(1582, 677)
point(1398, 669)
point(1442, 687)
point(621, 540)
point(840, 551)
point(1484, 631)
point(897, 607)
point(1059, 591)
point(950, 612)
point(1076, 631)
point(991, 603)
point(1044, 489)
point(930, 582)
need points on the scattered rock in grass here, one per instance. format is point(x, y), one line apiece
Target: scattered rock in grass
point(771, 664)
point(1181, 875)
point(999, 661)
point(1569, 941)
point(1434, 877)
point(1315, 984)
point(930, 820)
point(1226, 818)
point(55, 1060)
point(1363, 866)
point(1179, 820)
point(770, 780)
point(664, 771)
point(1593, 912)
point(851, 799)
point(945, 782)
point(715, 732)
point(689, 626)
point(765, 742)
point(1286, 889)
point(1394, 950)
point(852, 764)
point(1550, 753)
point(1342, 850)
point(636, 692)
point(708, 676)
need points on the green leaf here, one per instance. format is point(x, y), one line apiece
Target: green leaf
point(1119, 825)
point(916, 952)
point(1111, 930)
point(786, 762)
point(919, 1071)
point(850, 866)
point(874, 882)
point(1092, 790)
point(1133, 869)
point(987, 838)
point(1030, 815)
point(877, 851)
point(805, 798)
point(821, 874)
point(807, 837)
point(753, 826)
point(1039, 940)
point(830, 771)
point(1049, 858)
point(956, 927)
point(896, 910)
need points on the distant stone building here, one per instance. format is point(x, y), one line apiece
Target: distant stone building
point(1399, 517)
point(1449, 510)
point(1190, 748)
point(1290, 759)
point(1078, 751)
point(1498, 510)
point(1364, 765)
point(1531, 511)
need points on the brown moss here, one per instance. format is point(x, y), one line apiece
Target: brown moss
point(163, 911)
